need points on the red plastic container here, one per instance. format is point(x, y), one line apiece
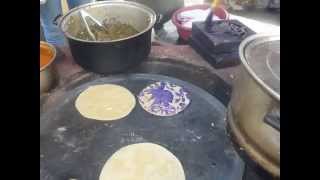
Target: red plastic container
point(185, 32)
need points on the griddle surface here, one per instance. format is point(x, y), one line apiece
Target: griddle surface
point(72, 146)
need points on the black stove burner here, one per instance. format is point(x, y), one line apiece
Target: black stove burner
point(237, 30)
point(218, 41)
point(227, 27)
point(221, 60)
point(223, 36)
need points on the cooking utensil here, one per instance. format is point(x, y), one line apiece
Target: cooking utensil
point(208, 20)
point(218, 43)
point(197, 136)
point(83, 15)
point(254, 109)
point(47, 72)
point(116, 55)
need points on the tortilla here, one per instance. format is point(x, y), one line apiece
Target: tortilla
point(164, 99)
point(105, 102)
point(142, 161)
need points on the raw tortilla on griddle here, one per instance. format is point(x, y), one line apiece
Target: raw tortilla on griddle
point(142, 161)
point(105, 102)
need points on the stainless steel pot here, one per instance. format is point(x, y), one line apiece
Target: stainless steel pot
point(254, 109)
point(47, 72)
point(116, 55)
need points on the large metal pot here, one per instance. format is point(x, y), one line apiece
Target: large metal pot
point(47, 72)
point(254, 109)
point(110, 56)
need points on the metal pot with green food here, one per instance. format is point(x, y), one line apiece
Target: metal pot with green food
point(254, 109)
point(119, 35)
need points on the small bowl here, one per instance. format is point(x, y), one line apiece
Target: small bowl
point(185, 32)
point(47, 72)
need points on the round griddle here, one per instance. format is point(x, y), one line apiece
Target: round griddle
point(73, 147)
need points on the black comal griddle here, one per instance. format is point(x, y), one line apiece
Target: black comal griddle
point(73, 147)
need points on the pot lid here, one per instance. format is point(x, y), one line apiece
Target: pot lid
point(260, 54)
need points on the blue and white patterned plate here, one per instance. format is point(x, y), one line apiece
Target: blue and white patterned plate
point(164, 99)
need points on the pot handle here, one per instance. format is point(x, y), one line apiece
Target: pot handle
point(158, 17)
point(272, 118)
point(57, 19)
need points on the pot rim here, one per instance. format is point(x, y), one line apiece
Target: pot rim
point(100, 3)
point(242, 47)
point(53, 57)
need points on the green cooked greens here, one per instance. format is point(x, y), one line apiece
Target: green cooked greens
point(112, 30)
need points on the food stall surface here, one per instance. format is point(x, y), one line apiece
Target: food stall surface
point(177, 61)
point(80, 146)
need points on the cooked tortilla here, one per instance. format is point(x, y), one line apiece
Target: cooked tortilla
point(105, 102)
point(142, 161)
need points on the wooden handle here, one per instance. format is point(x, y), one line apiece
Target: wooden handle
point(215, 3)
